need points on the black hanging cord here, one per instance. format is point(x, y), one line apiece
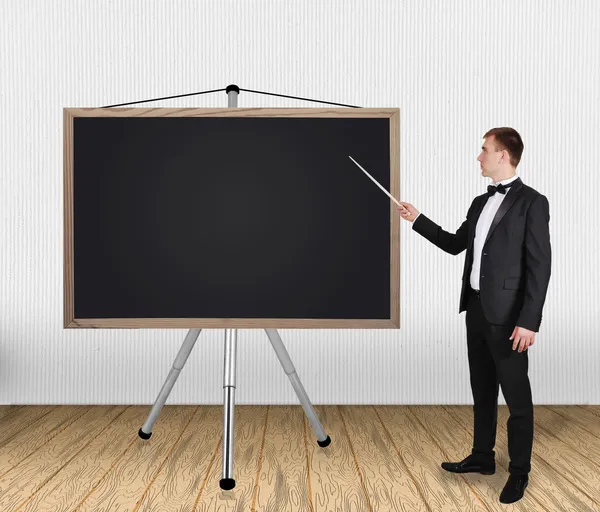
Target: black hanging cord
point(165, 98)
point(296, 98)
point(227, 89)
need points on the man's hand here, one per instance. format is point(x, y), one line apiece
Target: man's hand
point(524, 338)
point(408, 211)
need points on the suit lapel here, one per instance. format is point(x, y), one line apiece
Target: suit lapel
point(511, 196)
point(472, 231)
point(476, 215)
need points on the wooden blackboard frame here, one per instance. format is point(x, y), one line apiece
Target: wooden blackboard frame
point(393, 114)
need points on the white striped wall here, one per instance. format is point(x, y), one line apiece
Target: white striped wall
point(455, 69)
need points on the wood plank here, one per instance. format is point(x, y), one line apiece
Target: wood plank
point(579, 415)
point(5, 410)
point(283, 481)
point(378, 457)
point(21, 418)
point(546, 485)
point(37, 470)
point(594, 409)
point(389, 483)
point(336, 483)
point(423, 457)
point(455, 443)
point(580, 473)
point(570, 432)
point(92, 464)
point(184, 475)
point(249, 435)
point(123, 487)
point(19, 441)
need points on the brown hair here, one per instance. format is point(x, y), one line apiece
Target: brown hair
point(508, 139)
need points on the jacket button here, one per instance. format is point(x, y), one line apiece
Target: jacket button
point(485, 253)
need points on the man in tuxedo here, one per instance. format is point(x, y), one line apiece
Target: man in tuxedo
point(505, 279)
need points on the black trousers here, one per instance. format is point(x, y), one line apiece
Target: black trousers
point(493, 363)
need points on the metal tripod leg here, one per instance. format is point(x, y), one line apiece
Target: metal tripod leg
point(188, 344)
point(228, 482)
point(322, 438)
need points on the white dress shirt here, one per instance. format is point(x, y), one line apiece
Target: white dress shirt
point(481, 230)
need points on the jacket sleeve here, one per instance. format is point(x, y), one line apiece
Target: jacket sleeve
point(537, 263)
point(453, 243)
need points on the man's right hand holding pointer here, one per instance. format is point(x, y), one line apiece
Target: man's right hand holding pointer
point(408, 211)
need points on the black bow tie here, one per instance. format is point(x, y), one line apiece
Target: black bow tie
point(500, 188)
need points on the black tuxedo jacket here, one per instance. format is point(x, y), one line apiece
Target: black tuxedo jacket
point(515, 260)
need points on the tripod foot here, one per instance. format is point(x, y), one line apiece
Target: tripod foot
point(325, 443)
point(143, 434)
point(227, 483)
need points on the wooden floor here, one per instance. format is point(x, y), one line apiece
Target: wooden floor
point(382, 458)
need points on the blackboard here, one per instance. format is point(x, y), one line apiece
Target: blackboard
point(237, 218)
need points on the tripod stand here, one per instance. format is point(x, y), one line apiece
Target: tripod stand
point(227, 481)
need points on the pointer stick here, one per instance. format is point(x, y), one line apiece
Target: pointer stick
point(376, 183)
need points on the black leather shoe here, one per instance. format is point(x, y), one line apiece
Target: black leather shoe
point(470, 465)
point(514, 488)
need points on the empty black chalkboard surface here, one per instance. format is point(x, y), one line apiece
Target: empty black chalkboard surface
point(236, 218)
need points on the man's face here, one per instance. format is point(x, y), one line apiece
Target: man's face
point(489, 158)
